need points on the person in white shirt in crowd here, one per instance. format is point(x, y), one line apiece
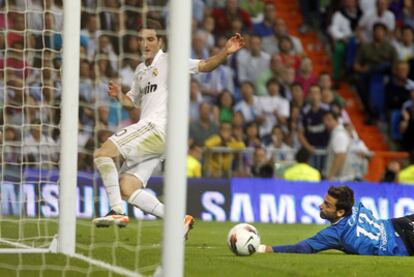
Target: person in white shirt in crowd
point(338, 166)
point(273, 108)
point(249, 103)
point(256, 61)
point(359, 154)
point(380, 15)
point(405, 46)
point(270, 43)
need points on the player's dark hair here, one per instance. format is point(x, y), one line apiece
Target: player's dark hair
point(153, 24)
point(344, 196)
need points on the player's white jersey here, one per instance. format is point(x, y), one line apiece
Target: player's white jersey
point(149, 89)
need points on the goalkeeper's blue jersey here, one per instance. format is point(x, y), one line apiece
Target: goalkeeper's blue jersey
point(360, 233)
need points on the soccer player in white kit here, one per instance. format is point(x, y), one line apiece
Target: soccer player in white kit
point(141, 145)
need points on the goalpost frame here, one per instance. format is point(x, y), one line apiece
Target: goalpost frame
point(175, 184)
point(69, 127)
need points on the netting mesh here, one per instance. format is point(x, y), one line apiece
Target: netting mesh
point(31, 42)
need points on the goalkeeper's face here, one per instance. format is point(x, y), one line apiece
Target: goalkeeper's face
point(329, 211)
point(150, 44)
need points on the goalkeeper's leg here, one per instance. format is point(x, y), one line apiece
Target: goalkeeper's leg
point(103, 159)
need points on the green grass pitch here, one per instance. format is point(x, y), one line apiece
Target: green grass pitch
point(206, 254)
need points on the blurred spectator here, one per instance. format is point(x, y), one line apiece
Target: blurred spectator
point(270, 43)
point(391, 172)
point(193, 161)
point(238, 126)
point(381, 15)
point(343, 25)
point(220, 164)
point(298, 96)
point(198, 10)
point(373, 59)
point(302, 171)
point(272, 108)
point(254, 8)
point(262, 167)
point(311, 15)
point(256, 61)
point(305, 75)
point(110, 16)
point(405, 46)
point(338, 166)
point(207, 28)
point(248, 106)
point(287, 78)
point(224, 16)
point(406, 175)
point(292, 137)
point(223, 111)
point(204, 127)
point(252, 138)
point(199, 46)
point(212, 83)
point(359, 154)
point(397, 89)
point(91, 33)
point(40, 150)
point(105, 47)
point(407, 124)
point(132, 16)
point(274, 71)
point(313, 135)
point(408, 13)
point(265, 27)
point(195, 99)
point(329, 96)
point(286, 54)
point(277, 146)
point(86, 95)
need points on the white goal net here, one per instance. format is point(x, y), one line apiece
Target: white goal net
point(31, 47)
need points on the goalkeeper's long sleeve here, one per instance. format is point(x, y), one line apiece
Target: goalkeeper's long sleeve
point(300, 247)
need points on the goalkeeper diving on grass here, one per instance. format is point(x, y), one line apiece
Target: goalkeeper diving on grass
point(354, 230)
point(141, 145)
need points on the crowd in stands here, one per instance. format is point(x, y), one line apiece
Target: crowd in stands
point(258, 108)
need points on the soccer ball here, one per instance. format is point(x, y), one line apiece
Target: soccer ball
point(243, 239)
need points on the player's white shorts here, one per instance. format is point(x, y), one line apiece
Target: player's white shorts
point(140, 142)
point(141, 170)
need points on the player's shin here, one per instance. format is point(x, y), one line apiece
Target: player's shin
point(110, 179)
point(146, 202)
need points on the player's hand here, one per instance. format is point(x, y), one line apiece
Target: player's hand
point(114, 89)
point(234, 44)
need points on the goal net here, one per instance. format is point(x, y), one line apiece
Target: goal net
point(31, 47)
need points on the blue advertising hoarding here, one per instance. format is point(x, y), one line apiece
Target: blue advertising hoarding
point(237, 199)
point(279, 201)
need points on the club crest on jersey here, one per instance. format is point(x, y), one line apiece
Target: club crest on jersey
point(149, 88)
point(154, 72)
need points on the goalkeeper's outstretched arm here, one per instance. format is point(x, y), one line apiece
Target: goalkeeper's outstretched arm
point(300, 248)
point(114, 90)
point(233, 44)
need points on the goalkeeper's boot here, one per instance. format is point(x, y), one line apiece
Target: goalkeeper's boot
point(188, 225)
point(112, 218)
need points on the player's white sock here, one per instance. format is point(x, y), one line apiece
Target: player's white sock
point(147, 202)
point(110, 179)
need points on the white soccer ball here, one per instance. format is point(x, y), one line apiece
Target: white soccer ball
point(243, 239)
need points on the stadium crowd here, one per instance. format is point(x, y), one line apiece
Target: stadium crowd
point(257, 109)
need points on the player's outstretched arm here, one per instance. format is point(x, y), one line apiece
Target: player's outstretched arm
point(233, 44)
point(114, 90)
point(300, 248)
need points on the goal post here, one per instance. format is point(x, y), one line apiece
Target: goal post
point(69, 127)
point(177, 134)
